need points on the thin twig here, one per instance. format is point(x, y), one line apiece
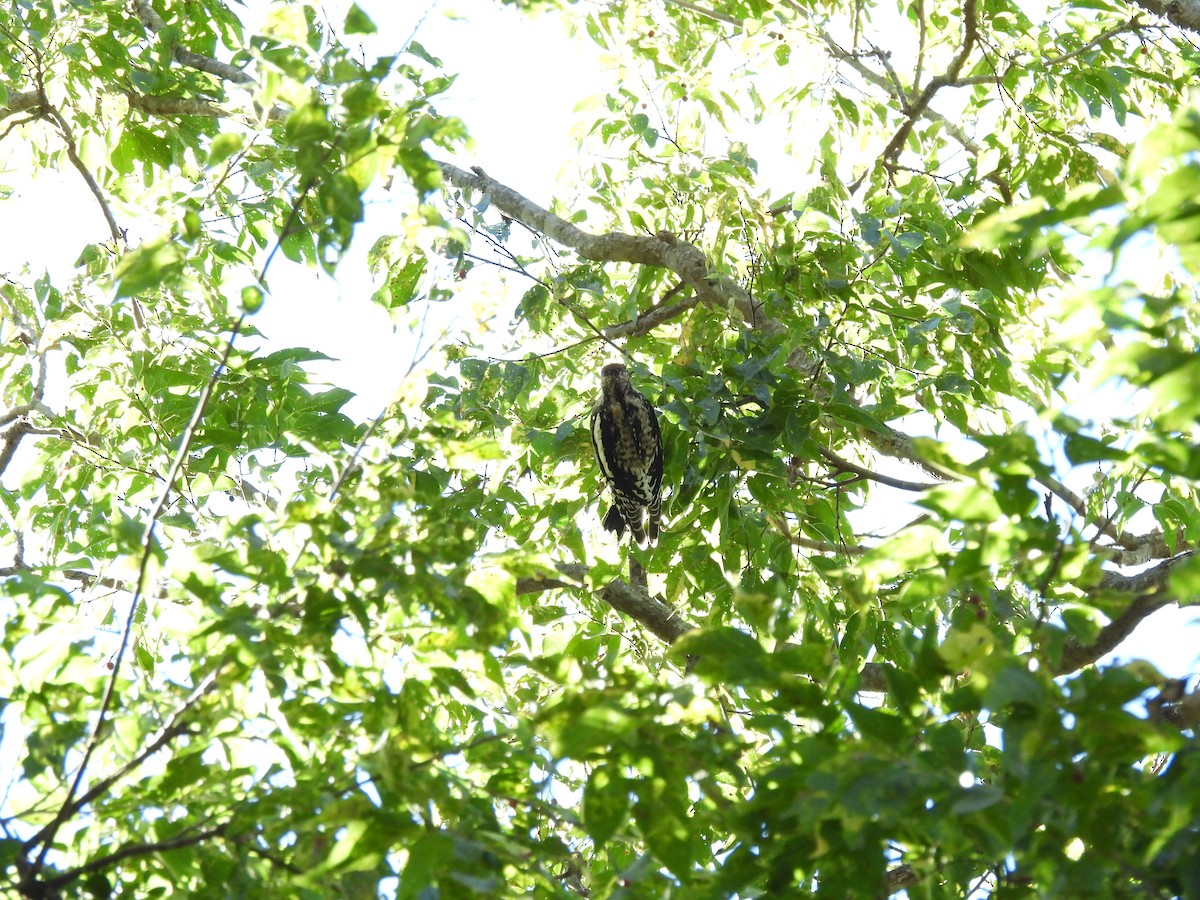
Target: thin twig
point(922, 27)
point(93, 186)
point(846, 466)
point(17, 123)
point(171, 730)
point(1077, 503)
point(51, 885)
point(1133, 23)
point(826, 547)
point(47, 834)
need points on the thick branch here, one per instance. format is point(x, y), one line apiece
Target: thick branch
point(19, 103)
point(1150, 580)
point(661, 619)
point(1175, 704)
point(1076, 655)
point(651, 319)
point(19, 415)
point(17, 412)
point(1152, 595)
point(663, 250)
point(147, 104)
point(1151, 547)
point(154, 24)
point(173, 106)
point(665, 622)
point(11, 440)
point(1184, 13)
point(87, 579)
point(577, 572)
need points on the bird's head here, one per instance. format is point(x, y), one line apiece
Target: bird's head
point(614, 374)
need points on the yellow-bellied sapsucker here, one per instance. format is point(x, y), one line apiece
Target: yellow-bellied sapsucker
point(629, 450)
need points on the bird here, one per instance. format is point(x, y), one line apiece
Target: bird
point(629, 451)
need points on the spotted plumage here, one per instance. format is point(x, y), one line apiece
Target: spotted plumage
point(628, 447)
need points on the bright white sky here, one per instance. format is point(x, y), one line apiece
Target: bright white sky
point(519, 111)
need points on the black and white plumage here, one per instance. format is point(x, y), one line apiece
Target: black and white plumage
point(629, 450)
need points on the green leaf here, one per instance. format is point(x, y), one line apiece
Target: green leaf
point(605, 803)
point(977, 798)
point(223, 146)
point(147, 267)
point(427, 856)
point(1014, 685)
point(1081, 449)
point(358, 22)
point(724, 654)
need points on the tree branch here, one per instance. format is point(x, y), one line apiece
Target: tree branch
point(1176, 705)
point(712, 14)
point(1133, 23)
point(18, 415)
point(154, 24)
point(946, 79)
point(1077, 503)
point(1152, 595)
point(11, 440)
point(662, 620)
point(1077, 655)
point(826, 547)
point(1149, 580)
point(87, 579)
point(167, 733)
point(931, 115)
point(22, 102)
point(536, 584)
point(173, 106)
point(844, 465)
point(1184, 13)
point(651, 319)
point(127, 852)
point(663, 250)
point(185, 441)
point(93, 186)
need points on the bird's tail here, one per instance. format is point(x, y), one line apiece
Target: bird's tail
point(614, 521)
point(655, 521)
point(618, 520)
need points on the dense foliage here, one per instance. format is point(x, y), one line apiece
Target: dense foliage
point(927, 380)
